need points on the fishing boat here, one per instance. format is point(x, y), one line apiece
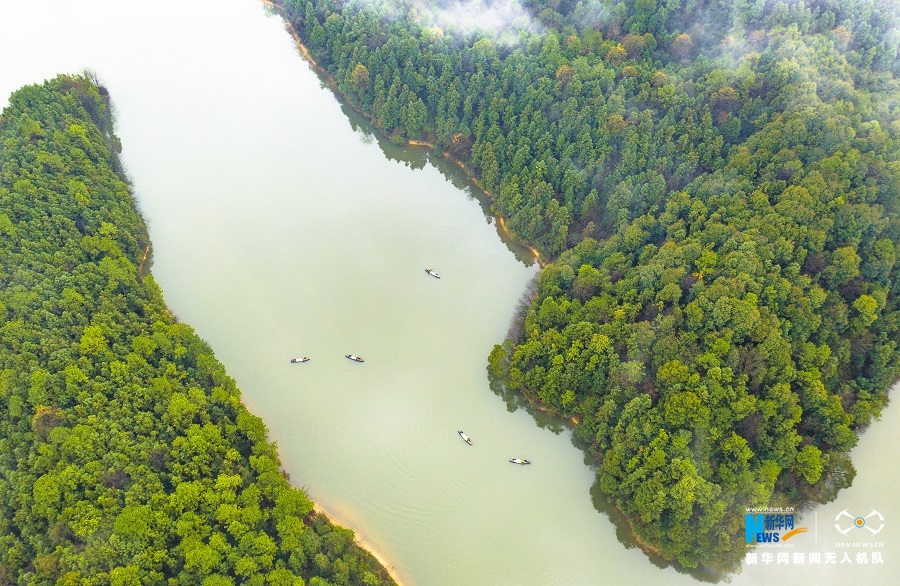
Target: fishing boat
point(299, 359)
point(522, 461)
point(354, 358)
point(466, 438)
point(432, 273)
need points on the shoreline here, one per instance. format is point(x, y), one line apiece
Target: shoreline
point(145, 256)
point(501, 222)
point(537, 404)
point(534, 251)
point(304, 52)
point(391, 570)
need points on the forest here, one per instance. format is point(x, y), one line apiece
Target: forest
point(715, 183)
point(126, 455)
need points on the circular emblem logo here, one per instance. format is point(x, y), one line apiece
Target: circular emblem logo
point(845, 522)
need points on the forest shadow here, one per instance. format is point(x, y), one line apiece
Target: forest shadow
point(545, 420)
point(417, 157)
point(625, 536)
point(515, 401)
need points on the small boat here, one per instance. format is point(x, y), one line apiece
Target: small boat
point(467, 439)
point(354, 358)
point(520, 461)
point(432, 273)
point(300, 359)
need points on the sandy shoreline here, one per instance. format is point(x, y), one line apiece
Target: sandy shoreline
point(534, 251)
point(391, 570)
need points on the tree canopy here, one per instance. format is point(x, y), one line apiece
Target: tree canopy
point(126, 455)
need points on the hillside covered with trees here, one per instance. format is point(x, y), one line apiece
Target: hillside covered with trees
point(717, 185)
point(126, 455)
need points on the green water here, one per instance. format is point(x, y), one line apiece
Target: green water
point(282, 227)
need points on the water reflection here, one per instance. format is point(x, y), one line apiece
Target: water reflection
point(515, 400)
point(416, 157)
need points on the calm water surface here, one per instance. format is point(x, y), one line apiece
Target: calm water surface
point(281, 227)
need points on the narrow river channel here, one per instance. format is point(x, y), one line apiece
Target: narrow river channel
point(281, 227)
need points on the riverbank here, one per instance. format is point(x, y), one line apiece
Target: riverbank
point(332, 84)
point(303, 49)
point(474, 179)
point(534, 251)
point(143, 270)
point(362, 543)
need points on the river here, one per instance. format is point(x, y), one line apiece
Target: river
point(281, 226)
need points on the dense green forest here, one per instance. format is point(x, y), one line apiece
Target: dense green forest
point(126, 455)
point(717, 184)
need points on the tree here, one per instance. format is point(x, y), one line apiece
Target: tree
point(683, 47)
point(359, 79)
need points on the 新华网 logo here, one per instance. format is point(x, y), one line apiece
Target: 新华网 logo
point(845, 522)
point(770, 528)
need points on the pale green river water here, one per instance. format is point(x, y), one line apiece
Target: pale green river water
point(282, 227)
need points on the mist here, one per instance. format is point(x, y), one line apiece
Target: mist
point(495, 16)
point(503, 20)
